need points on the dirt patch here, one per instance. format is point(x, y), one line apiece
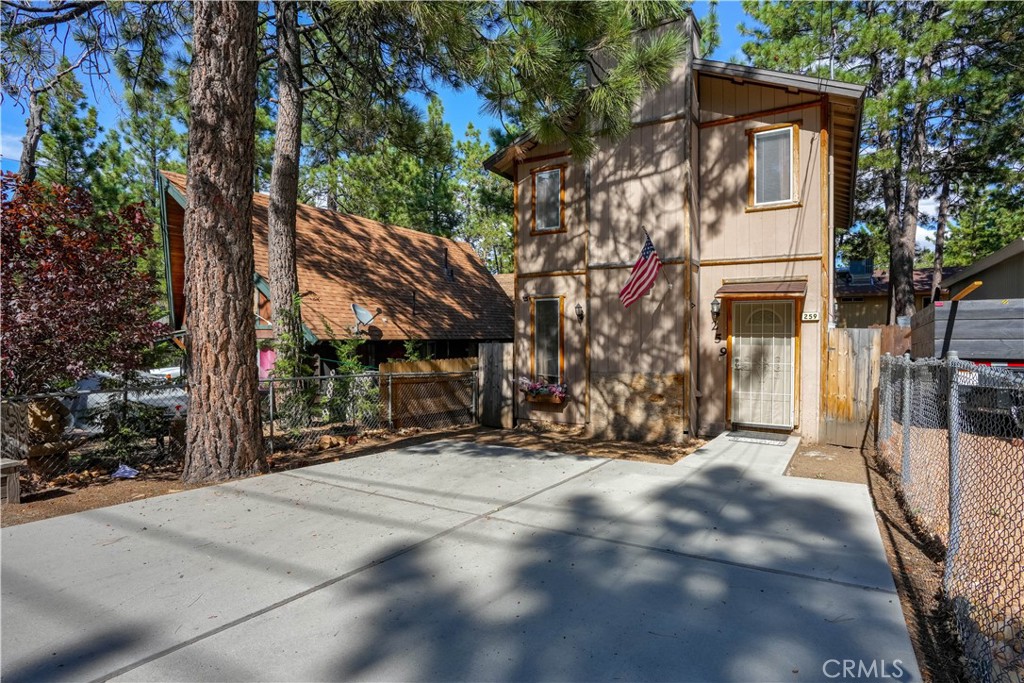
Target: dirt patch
point(915, 559)
point(834, 463)
point(574, 441)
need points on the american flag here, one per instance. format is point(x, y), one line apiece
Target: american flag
point(642, 277)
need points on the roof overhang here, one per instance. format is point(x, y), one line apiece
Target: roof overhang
point(763, 288)
point(502, 161)
point(741, 73)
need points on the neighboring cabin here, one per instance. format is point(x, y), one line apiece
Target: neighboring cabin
point(428, 288)
point(724, 167)
point(1001, 274)
point(863, 303)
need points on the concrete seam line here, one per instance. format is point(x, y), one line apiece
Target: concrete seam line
point(353, 489)
point(704, 558)
point(330, 582)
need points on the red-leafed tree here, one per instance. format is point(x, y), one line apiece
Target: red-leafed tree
point(74, 298)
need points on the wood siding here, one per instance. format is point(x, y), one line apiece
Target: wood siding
point(870, 311)
point(573, 289)
point(640, 182)
point(1004, 280)
point(561, 250)
point(983, 329)
point(176, 255)
point(714, 363)
point(735, 243)
point(728, 230)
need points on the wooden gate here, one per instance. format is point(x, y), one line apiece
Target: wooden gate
point(495, 381)
point(851, 387)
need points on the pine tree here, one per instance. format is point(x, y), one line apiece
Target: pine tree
point(944, 100)
point(224, 435)
point(68, 154)
point(485, 204)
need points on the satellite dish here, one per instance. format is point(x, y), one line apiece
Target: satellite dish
point(364, 316)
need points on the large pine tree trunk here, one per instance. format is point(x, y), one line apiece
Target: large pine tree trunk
point(284, 185)
point(30, 143)
point(903, 277)
point(225, 437)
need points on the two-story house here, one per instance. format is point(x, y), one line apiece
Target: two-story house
point(740, 175)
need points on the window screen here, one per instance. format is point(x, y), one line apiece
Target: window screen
point(549, 200)
point(773, 166)
point(546, 334)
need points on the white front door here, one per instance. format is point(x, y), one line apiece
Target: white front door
point(763, 363)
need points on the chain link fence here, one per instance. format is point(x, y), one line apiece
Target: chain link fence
point(316, 413)
point(951, 435)
point(76, 438)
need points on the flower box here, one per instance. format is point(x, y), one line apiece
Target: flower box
point(542, 392)
point(544, 398)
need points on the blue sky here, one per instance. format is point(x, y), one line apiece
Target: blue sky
point(461, 107)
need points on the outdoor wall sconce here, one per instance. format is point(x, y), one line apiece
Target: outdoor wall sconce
point(579, 312)
point(716, 309)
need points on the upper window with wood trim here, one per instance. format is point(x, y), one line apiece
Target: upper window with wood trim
point(548, 199)
point(773, 155)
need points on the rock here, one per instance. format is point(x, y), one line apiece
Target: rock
point(328, 442)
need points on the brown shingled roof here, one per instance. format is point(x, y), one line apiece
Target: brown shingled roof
point(507, 281)
point(344, 259)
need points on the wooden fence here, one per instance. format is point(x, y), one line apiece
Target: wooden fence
point(495, 384)
point(429, 393)
point(895, 340)
point(445, 365)
point(851, 386)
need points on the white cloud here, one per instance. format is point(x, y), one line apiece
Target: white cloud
point(925, 238)
point(929, 206)
point(10, 146)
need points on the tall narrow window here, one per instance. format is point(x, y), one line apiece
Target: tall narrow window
point(773, 160)
point(547, 340)
point(547, 200)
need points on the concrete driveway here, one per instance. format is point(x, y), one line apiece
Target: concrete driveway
point(456, 561)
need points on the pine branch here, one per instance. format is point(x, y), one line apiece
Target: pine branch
point(61, 14)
